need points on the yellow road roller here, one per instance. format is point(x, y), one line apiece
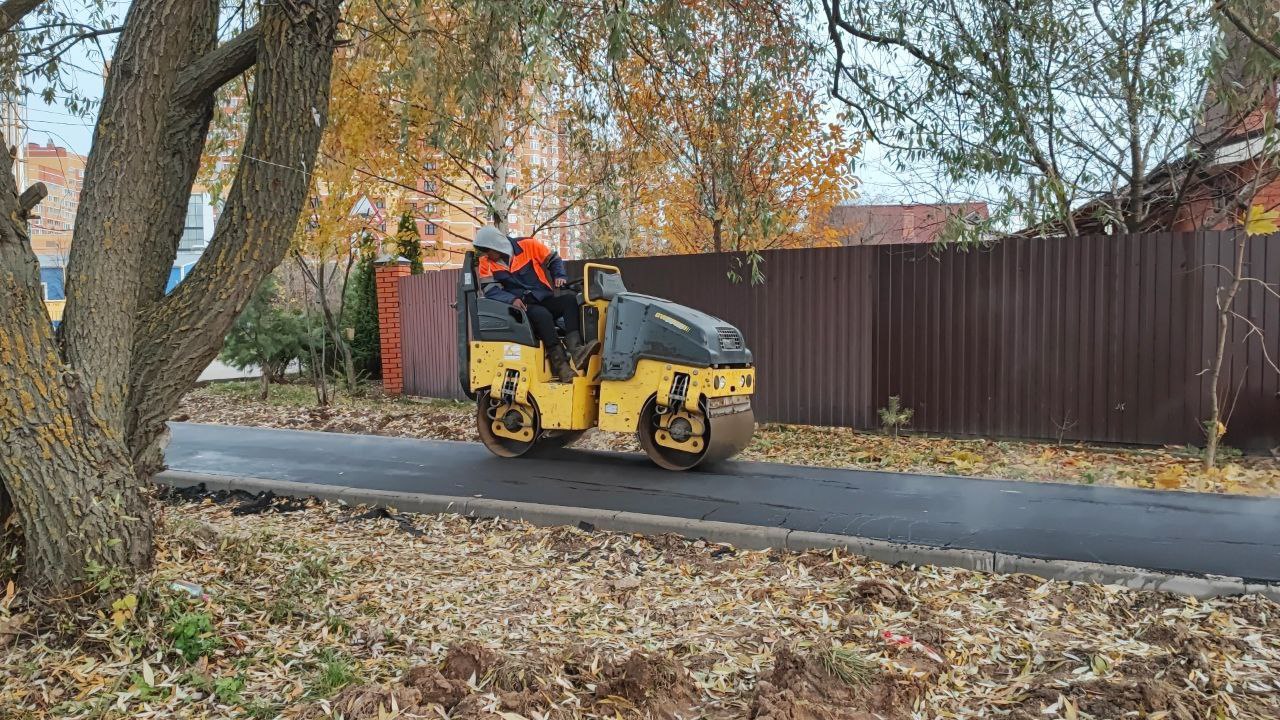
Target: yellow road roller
point(680, 379)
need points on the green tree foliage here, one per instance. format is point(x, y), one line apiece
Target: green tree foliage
point(266, 335)
point(362, 318)
point(408, 245)
point(1046, 104)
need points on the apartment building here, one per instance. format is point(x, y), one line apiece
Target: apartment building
point(448, 212)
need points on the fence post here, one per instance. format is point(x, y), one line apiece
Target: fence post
point(387, 273)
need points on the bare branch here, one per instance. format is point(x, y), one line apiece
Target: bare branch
point(1262, 338)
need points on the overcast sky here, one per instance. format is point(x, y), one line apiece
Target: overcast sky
point(53, 123)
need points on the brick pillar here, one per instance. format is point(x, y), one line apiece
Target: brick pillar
point(387, 273)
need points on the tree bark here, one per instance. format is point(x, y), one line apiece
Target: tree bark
point(12, 12)
point(186, 127)
point(64, 461)
point(120, 178)
point(65, 470)
point(179, 335)
point(82, 430)
point(184, 130)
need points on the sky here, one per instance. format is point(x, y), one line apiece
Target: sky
point(53, 123)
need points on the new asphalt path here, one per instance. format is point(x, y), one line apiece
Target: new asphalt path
point(1173, 532)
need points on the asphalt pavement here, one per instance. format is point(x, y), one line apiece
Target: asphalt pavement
point(1174, 532)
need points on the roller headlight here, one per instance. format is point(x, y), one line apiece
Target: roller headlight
point(719, 382)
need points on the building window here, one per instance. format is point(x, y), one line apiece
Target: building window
point(193, 232)
point(381, 203)
point(430, 229)
point(44, 291)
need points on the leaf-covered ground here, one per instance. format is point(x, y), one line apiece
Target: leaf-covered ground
point(1172, 468)
point(304, 610)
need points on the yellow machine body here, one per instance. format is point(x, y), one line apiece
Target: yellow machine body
point(526, 402)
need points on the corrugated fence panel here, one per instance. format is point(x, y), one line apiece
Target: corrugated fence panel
point(1099, 338)
point(427, 333)
point(1078, 340)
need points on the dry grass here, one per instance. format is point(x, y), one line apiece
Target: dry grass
point(304, 613)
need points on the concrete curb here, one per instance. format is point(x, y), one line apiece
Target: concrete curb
point(749, 537)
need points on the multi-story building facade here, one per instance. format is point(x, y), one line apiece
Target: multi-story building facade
point(448, 213)
point(53, 220)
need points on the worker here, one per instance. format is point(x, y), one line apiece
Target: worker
point(525, 273)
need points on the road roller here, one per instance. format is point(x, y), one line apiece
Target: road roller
point(680, 379)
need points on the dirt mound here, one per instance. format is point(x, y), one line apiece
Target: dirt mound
point(434, 687)
point(371, 701)
point(802, 686)
point(870, 592)
point(1119, 698)
point(468, 660)
point(1106, 698)
point(656, 685)
point(420, 688)
point(651, 686)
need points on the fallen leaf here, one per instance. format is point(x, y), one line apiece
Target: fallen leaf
point(1171, 477)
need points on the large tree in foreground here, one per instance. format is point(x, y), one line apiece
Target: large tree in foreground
point(82, 414)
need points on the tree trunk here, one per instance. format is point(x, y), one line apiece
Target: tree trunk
point(179, 335)
point(83, 427)
point(264, 391)
point(120, 178)
point(717, 235)
point(1214, 427)
point(67, 473)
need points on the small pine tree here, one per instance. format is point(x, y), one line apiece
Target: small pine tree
point(266, 336)
point(362, 318)
point(895, 417)
point(408, 244)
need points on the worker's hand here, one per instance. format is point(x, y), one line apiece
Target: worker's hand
point(560, 282)
point(519, 305)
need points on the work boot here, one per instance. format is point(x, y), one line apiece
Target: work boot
point(573, 343)
point(560, 365)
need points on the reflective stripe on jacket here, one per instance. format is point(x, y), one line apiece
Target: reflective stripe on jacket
point(528, 275)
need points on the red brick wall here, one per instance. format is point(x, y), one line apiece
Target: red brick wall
point(1196, 209)
point(387, 276)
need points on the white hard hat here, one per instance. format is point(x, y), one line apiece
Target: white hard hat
point(491, 238)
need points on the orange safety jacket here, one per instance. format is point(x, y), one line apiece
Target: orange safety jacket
point(527, 275)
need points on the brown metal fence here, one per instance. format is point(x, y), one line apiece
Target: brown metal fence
point(1105, 338)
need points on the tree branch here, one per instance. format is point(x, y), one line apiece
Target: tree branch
point(200, 79)
point(31, 197)
point(12, 12)
point(1243, 27)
